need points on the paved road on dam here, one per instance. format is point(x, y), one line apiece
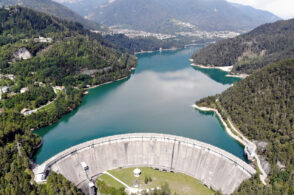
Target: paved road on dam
point(213, 166)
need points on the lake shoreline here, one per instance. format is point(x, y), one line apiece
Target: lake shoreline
point(239, 137)
point(108, 82)
point(227, 129)
point(86, 92)
point(227, 69)
point(242, 76)
point(223, 68)
point(171, 49)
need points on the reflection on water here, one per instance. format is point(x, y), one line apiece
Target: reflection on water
point(217, 75)
point(156, 98)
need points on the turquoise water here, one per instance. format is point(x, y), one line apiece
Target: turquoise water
point(158, 97)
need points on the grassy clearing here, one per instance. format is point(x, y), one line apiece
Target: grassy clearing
point(178, 182)
point(111, 182)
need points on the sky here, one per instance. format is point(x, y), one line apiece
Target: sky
point(282, 8)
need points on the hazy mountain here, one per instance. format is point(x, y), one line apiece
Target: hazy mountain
point(159, 15)
point(52, 8)
point(265, 44)
point(83, 7)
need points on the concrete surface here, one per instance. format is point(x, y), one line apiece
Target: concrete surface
point(214, 167)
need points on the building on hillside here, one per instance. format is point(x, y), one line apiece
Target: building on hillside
point(40, 84)
point(58, 88)
point(11, 77)
point(5, 89)
point(250, 151)
point(24, 89)
point(26, 111)
point(43, 39)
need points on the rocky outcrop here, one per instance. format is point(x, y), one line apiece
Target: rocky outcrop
point(265, 165)
point(22, 54)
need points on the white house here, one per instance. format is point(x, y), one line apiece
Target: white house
point(11, 77)
point(58, 88)
point(44, 40)
point(250, 151)
point(24, 89)
point(26, 111)
point(5, 89)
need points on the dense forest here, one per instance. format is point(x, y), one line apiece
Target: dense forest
point(134, 45)
point(248, 52)
point(262, 107)
point(44, 59)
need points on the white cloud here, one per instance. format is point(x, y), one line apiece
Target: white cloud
point(282, 8)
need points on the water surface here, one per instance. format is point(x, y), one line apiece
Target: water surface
point(156, 98)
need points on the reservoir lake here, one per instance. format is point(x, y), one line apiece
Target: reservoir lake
point(156, 98)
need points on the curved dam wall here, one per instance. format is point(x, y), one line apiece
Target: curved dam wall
point(214, 167)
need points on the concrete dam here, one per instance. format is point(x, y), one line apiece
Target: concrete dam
point(214, 167)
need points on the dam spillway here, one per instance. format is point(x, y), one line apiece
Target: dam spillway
point(214, 167)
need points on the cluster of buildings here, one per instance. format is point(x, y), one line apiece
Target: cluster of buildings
point(6, 89)
point(191, 32)
point(43, 39)
point(25, 111)
point(135, 33)
point(9, 76)
point(183, 24)
point(209, 35)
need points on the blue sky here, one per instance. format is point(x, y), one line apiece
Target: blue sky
point(282, 8)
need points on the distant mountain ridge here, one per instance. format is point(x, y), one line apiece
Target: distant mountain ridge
point(158, 15)
point(52, 8)
point(248, 52)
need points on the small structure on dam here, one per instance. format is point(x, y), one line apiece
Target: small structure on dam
point(214, 167)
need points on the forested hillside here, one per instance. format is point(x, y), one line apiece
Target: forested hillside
point(133, 45)
point(248, 52)
point(52, 8)
point(262, 107)
point(45, 60)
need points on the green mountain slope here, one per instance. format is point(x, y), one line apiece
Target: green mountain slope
point(52, 8)
point(66, 55)
point(248, 52)
point(262, 107)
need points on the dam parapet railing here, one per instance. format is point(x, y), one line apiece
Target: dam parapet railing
point(41, 171)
